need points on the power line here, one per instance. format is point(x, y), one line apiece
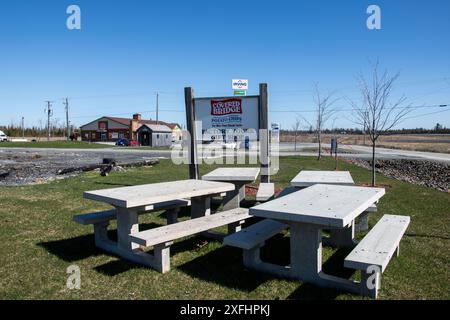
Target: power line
point(304, 91)
point(349, 110)
point(427, 114)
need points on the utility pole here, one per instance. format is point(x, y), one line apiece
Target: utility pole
point(66, 104)
point(49, 112)
point(23, 127)
point(157, 108)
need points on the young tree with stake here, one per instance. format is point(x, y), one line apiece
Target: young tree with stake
point(324, 111)
point(379, 111)
point(295, 128)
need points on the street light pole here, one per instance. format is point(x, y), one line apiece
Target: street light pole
point(157, 108)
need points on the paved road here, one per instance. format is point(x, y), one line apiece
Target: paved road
point(348, 151)
point(364, 152)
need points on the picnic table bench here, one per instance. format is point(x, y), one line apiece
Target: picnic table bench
point(161, 238)
point(306, 213)
point(266, 191)
point(129, 202)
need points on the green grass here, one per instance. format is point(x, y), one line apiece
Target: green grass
point(54, 144)
point(39, 240)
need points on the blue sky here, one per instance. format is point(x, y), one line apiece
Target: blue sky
point(128, 50)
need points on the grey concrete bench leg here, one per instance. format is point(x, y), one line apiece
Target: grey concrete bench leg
point(162, 257)
point(127, 223)
point(342, 237)
point(363, 223)
point(252, 257)
point(370, 284)
point(232, 199)
point(101, 232)
point(242, 193)
point(172, 215)
point(101, 237)
point(200, 207)
point(306, 248)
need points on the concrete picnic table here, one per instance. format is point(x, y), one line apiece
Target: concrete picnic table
point(129, 201)
point(237, 176)
point(308, 178)
point(308, 212)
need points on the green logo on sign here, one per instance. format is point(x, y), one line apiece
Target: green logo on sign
point(240, 92)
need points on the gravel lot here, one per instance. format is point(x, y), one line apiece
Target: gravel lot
point(425, 173)
point(20, 167)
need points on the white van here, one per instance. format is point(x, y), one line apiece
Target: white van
point(3, 136)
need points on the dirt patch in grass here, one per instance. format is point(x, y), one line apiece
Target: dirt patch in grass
point(425, 173)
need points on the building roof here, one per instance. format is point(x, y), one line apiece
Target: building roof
point(127, 121)
point(170, 125)
point(123, 121)
point(156, 127)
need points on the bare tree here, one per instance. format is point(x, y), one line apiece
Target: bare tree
point(324, 111)
point(295, 128)
point(379, 111)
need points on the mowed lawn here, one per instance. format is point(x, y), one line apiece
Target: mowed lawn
point(39, 240)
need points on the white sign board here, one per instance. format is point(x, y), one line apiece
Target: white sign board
point(275, 132)
point(226, 114)
point(239, 84)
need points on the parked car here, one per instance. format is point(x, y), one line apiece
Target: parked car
point(126, 143)
point(3, 137)
point(123, 142)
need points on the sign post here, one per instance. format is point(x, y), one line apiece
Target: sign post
point(264, 133)
point(190, 124)
point(334, 148)
point(275, 133)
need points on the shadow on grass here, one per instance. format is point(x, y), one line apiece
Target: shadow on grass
point(333, 266)
point(114, 184)
point(74, 249)
point(224, 267)
point(116, 267)
point(81, 247)
point(119, 266)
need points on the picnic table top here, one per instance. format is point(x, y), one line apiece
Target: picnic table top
point(327, 205)
point(147, 194)
point(232, 174)
point(309, 178)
